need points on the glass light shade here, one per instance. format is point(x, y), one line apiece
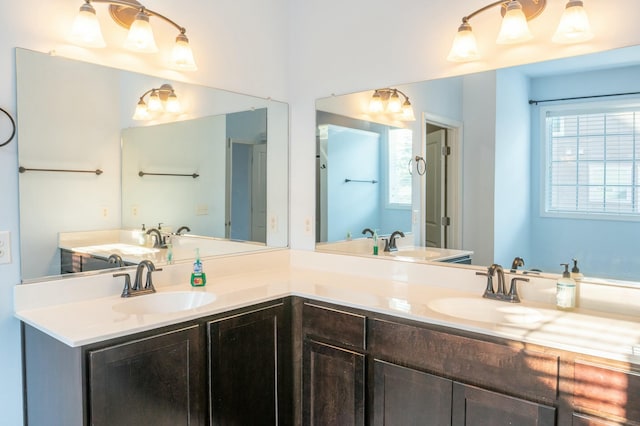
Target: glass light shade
point(375, 104)
point(407, 112)
point(86, 28)
point(182, 55)
point(394, 104)
point(140, 37)
point(155, 104)
point(574, 24)
point(141, 112)
point(173, 104)
point(514, 28)
point(465, 47)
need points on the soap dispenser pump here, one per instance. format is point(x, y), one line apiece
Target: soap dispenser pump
point(566, 290)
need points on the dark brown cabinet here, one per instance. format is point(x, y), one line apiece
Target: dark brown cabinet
point(333, 365)
point(334, 385)
point(155, 380)
point(249, 377)
point(407, 397)
point(473, 406)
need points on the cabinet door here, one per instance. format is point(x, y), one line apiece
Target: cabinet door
point(405, 397)
point(151, 381)
point(477, 407)
point(585, 420)
point(249, 379)
point(333, 385)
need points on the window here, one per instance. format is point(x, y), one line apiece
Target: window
point(593, 160)
point(400, 147)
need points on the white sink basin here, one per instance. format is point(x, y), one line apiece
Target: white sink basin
point(164, 303)
point(486, 310)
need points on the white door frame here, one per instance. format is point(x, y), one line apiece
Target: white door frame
point(454, 177)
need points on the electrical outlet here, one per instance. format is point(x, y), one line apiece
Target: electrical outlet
point(307, 226)
point(134, 211)
point(105, 212)
point(273, 223)
point(5, 247)
point(202, 210)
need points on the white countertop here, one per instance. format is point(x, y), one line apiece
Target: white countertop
point(79, 321)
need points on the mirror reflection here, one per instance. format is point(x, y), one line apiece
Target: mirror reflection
point(210, 177)
point(546, 181)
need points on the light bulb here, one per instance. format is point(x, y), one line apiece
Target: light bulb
point(86, 28)
point(140, 37)
point(155, 104)
point(375, 104)
point(395, 104)
point(407, 112)
point(464, 47)
point(182, 55)
point(173, 105)
point(141, 112)
point(514, 28)
point(574, 24)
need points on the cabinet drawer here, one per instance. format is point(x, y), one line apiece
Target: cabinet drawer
point(606, 390)
point(339, 327)
point(509, 369)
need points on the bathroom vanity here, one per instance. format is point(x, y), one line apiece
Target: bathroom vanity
point(288, 342)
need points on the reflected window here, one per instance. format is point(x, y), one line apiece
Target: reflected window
point(399, 179)
point(593, 160)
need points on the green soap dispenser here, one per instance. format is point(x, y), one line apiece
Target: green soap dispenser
point(375, 242)
point(566, 290)
point(198, 277)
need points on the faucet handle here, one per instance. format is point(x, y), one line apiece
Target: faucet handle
point(148, 285)
point(126, 291)
point(489, 289)
point(513, 289)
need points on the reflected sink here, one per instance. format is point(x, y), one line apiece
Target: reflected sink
point(485, 310)
point(164, 303)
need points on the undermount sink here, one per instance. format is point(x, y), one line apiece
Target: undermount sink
point(485, 310)
point(164, 303)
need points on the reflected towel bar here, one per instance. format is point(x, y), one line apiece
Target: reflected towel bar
point(194, 175)
point(361, 181)
point(24, 169)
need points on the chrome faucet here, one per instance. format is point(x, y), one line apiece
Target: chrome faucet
point(517, 261)
point(117, 259)
point(390, 244)
point(137, 289)
point(501, 293)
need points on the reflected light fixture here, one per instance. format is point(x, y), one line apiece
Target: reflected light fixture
point(162, 99)
point(388, 101)
point(134, 16)
point(573, 27)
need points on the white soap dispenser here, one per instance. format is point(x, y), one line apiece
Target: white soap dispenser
point(577, 276)
point(566, 290)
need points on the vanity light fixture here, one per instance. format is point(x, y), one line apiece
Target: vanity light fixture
point(162, 99)
point(134, 16)
point(573, 28)
point(388, 101)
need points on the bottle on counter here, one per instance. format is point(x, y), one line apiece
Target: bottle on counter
point(577, 276)
point(375, 242)
point(198, 277)
point(566, 290)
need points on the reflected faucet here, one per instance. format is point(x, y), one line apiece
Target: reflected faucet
point(500, 293)
point(390, 244)
point(159, 239)
point(366, 231)
point(183, 229)
point(517, 261)
point(117, 259)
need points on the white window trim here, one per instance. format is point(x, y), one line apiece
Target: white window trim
point(583, 107)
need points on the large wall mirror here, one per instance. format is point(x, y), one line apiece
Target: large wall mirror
point(218, 169)
point(547, 181)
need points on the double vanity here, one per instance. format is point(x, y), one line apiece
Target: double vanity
point(296, 337)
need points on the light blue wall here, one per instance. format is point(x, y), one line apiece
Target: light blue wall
point(512, 171)
point(352, 206)
point(603, 247)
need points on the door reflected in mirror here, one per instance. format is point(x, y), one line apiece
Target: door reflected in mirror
point(500, 192)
